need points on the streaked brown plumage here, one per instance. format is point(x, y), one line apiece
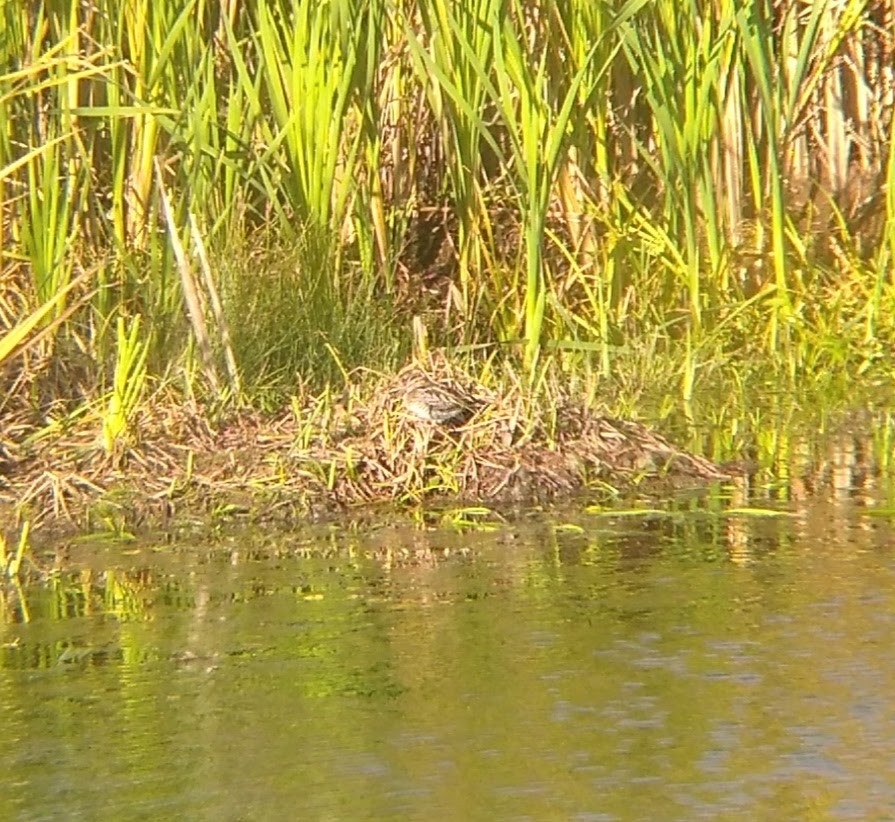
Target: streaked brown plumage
point(440, 401)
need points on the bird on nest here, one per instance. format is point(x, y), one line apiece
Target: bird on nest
point(438, 400)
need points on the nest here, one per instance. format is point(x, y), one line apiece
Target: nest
point(422, 433)
point(437, 430)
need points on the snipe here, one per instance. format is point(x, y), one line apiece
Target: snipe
point(440, 401)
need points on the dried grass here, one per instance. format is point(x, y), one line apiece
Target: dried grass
point(323, 454)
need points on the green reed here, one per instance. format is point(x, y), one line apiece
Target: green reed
point(612, 181)
point(127, 384)
point(451, 63)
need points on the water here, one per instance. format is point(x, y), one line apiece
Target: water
point(562, 666)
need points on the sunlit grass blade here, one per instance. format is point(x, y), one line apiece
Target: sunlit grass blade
point(128, 379)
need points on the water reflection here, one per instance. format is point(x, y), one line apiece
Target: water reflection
point(690, 665)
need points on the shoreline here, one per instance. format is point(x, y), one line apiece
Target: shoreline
point(327, 456)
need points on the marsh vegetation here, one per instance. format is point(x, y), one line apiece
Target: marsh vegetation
point(224, 217)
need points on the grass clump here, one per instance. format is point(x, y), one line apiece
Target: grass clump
point(292, 323)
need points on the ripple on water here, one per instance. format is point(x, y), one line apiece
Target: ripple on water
point(534, 674)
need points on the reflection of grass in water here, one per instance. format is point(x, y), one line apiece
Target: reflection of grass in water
point(64, 594)
point(85, 592)
point(11, 558)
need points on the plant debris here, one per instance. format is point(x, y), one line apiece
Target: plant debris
point(422, 434)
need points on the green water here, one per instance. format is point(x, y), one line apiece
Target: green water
point(676, 668)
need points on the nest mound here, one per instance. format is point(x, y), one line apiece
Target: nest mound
point(437, 430)
point(422, 433)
